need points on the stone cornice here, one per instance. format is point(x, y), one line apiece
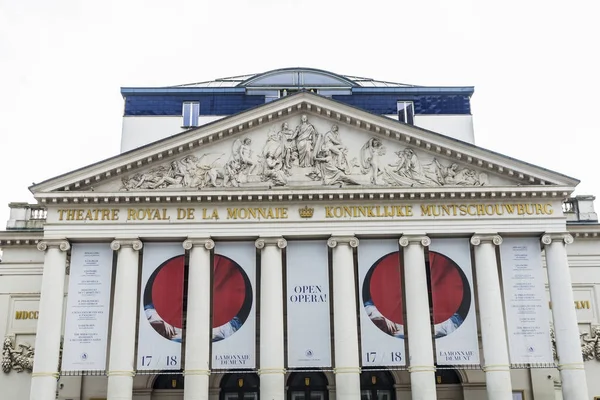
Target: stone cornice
point(436, 144)
point(263, 242)
point(414, 239)
point(334, 241)
point(584, 231)
point(478, 239)
point(19, 238)
point(320, 193)
point(190, 243)
point(135, 244)
point(61, 244)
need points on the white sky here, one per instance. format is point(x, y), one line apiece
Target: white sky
point(534, 64)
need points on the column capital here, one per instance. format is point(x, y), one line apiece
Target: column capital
point(208, 243)
point(61, 244)
point(335, 240)
point(492, 238)
point(565, 237)
point(414, 239)
point(135, 244)
point(263, 242)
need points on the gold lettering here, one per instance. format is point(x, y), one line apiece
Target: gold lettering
point(548, 209)
point(182, 214)
point(105, 215)
point(231, 213)
point(426, 210)
point(328, 213)
point(114, 214)
point(60, 214)
point(131, 214)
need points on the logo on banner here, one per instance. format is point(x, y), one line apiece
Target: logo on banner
point(383, 298)
point(232, 298)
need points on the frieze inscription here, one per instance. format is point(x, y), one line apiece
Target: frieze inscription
point(304, 212)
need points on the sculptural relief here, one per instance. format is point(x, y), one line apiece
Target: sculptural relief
point(18, 360)
point(304, 156)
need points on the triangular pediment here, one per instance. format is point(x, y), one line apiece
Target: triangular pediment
point(302, 142)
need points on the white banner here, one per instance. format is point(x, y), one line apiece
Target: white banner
point(527, 321)
point(455, 323)
point(88, 308)
point(308, 324)
point(234, 311)
point(381, 306)
point(161, 307)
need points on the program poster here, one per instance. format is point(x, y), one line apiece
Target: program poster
point(527, 321)
point(308, 304)
point(88, 308)
point(380, 303)
point(453, 301)
point(161, 307)
point(234, 311)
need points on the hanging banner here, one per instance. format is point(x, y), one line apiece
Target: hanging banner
point(381, 310)
point(525, 303)
point(161, 307)
point(453, 302)
point(88, 308)
point(234, 312)
point(308, 304)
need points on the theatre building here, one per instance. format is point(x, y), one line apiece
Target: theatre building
point(301, 235)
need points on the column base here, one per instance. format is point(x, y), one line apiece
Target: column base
point(196, 386)
point(574, 384)
point(347, 385)
point(498, 384)
point(43, 387)
point(272, 386)
point(422, 385)
point(120, 387)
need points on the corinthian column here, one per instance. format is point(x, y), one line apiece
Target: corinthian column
point(491, 317)
point(345, 325)
point(272, 367)
point(121, 367)
point(47, 339)
point(197, 345)
point(568, 347)
point(420, 348)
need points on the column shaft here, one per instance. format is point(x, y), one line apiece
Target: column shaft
point(272, 368)
point(198, 324)
point(49, 325)
point(568, 347)
point(491, 317)
point(347, 367)
point(121, 368)
point(420, 348)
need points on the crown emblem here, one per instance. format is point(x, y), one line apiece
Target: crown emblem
point(306, 212)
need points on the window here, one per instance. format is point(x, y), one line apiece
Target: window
point(406, 112)
point(191, 111)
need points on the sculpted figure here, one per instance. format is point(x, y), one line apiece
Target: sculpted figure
point(290, 152)
point(172, 177)
point(305, 134)
point(242, 154)
point(333, 143)
point(407, 170)
point(369, 158)
point(330, 173)
point(273, 162)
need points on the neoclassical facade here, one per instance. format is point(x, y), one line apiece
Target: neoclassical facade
point(302, 248)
